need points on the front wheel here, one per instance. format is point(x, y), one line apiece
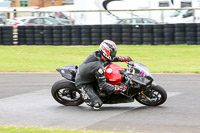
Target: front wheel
point(65, 92)
point(154, 96)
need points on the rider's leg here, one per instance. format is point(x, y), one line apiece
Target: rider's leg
point(90, 97)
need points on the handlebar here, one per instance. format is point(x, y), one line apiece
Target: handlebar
point(131, 63)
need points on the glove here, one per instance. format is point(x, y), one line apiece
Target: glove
point(121, 88)
point(125, 59)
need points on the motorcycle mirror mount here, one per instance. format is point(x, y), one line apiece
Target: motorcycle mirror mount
point(131, 63)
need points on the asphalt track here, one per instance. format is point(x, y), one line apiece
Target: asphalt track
point(25, 100)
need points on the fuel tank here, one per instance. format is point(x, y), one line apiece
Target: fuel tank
point(112, 73)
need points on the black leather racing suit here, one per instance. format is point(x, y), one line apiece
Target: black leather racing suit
point(90, 71)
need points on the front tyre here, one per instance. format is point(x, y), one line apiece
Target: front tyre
point(154, 96)
point(65, 92)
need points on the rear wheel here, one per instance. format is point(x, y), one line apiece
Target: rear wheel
point(155, 96)
point(65, 92)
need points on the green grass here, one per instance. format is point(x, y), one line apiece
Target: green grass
point(160, 58)
point(6, 129)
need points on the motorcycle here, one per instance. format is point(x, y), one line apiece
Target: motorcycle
point(136, 77)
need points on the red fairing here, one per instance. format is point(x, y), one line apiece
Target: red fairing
point(112, 73)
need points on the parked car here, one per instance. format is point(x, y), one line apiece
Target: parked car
point(60, 16)
point(1, 22)
point(184, 16)
point(137, 21)
point(34, 21)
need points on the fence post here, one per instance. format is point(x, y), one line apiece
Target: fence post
point(162, 16)
point(15, 13)
point(194, 18)
point(100, 17)
point(70, 19)
point(7, 17)
point(132, 15)
point(39, 16)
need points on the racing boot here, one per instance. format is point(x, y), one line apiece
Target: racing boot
point(90, 97)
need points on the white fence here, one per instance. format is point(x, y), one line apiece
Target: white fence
point(186, 15)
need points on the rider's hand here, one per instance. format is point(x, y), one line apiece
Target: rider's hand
point(127, 59)
point(124, 59)
point(121, 88)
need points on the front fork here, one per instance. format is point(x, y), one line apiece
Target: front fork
point(146, 92)
point(142, 92)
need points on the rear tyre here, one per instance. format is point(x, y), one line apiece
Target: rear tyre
point(65, 93)
point(156, 96)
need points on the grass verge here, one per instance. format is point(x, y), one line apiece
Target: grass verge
point(6, 129)
point(160, 58)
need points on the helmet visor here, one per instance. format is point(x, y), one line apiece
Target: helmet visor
point(112, 54)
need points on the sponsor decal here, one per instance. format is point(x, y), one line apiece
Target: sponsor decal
point(109, 70)
point(100, 71)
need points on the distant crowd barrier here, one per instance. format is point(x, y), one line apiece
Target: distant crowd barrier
point(188, 33)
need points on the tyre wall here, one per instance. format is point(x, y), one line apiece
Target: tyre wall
point(6, 35)
point(94, 34)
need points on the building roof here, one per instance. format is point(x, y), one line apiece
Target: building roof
point(5, 4)
point(68, 2)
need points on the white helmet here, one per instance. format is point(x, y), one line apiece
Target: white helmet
point(108, 49)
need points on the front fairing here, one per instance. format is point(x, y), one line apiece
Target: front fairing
point(139, 79)
point(142, 70)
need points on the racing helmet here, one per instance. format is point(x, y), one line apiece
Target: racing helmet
point(108, 49)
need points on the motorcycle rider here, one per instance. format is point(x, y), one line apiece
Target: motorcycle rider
point(92, 69)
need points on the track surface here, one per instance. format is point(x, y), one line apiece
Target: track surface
point(25, 100)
